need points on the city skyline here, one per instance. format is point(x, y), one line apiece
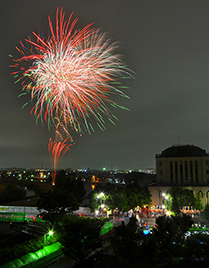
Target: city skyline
point(164, 43)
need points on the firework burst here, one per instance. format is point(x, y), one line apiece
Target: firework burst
point(71, 74)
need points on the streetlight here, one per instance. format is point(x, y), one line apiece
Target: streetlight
point(47, 235)
point(168, 213)
point(51, 232)
point(167, 205)
point(100, 200)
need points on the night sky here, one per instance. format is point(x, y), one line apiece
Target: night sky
point(166, 43)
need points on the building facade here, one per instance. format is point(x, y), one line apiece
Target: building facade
point(183, 165)
point(186, 166)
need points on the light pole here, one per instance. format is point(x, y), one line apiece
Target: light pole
point(100, 199)
point(47, 235)
point(166, 206)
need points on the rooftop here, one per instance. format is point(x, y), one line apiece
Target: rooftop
point(182, 151)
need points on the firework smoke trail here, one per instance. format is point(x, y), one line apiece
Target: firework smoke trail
point(59, 145)
point(57, 151)
point(71, 74)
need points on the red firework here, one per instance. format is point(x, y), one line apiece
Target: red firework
point(56, 151)
point(71, 74)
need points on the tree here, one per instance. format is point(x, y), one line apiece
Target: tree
point(179, 197)
point(125, 241)
point(56, 204)
point(195, 247)
point(172, 202)
point(198, 203)
point(12, 193)
point(137, 197)
point(81, 236)
point(113, 197)
point(65, 197)
point(206, 212)
point(187, 198)
point(95, 202)
point(71, 185)
point(169, 236)
point(123, 198)
point(117, 198)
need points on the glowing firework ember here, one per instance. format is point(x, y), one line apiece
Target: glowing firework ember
point(56, 151)
point(71, 74)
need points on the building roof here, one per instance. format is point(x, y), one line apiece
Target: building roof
point(182, 151)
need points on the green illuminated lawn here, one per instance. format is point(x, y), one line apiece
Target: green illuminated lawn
point(198, 229)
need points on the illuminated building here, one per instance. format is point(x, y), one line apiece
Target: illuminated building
point(183, 165)
point(186, 166)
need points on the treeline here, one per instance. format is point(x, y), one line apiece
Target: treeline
point(11, 193)
point(16, 190)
